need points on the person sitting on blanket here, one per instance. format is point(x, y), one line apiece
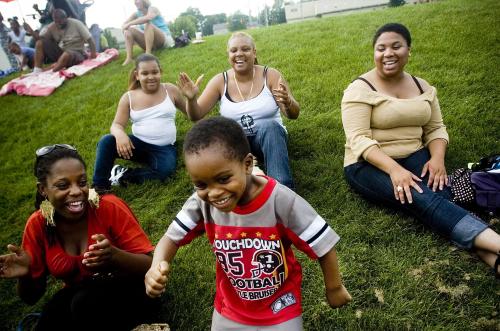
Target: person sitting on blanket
point(62, 43)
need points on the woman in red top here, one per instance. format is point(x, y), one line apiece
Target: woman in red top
point(97, 248)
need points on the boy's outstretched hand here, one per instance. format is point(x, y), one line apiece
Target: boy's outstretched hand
point(156, 279)
point(338, 297)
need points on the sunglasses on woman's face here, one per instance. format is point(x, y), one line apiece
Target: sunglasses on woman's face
point(48, 149)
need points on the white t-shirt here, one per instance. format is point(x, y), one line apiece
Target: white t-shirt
point(18, 39)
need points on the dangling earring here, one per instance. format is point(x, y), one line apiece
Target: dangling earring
point(47, 210)
point(93, 198)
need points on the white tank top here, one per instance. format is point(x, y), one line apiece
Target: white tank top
point(155, 125)
point(250, 114)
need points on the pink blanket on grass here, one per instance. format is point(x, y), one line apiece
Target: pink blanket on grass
point(44, 83)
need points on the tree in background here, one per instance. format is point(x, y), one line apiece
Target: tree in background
point(264, 14)
point(273, 15)
point(277, 13)
point(112, 42)
point(198, 16)
point(396, 3)
point(186, 23)
point(207, 26)
point(237, 21)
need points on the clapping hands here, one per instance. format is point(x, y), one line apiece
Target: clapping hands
point(100, 254)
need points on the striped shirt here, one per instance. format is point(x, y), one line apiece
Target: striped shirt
point(258, 278)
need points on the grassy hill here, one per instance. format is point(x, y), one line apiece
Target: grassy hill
point(400, 275)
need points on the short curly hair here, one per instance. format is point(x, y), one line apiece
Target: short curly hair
point(396, 28)
point(217, 131)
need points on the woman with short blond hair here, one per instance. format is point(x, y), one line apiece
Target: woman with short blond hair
point(253, 95)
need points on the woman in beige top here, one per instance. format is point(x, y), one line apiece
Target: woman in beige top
point(396, 143)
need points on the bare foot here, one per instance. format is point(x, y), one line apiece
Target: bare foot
point(126, 62)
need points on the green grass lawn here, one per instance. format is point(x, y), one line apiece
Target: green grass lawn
point(401, 276)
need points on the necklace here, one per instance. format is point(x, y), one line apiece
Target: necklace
point(238, 87)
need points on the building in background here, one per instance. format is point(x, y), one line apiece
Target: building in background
point(305, 10)
point(220, 28)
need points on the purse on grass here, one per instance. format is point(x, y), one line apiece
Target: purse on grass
point(461, 186)
point(479, 186)
point(485, 180)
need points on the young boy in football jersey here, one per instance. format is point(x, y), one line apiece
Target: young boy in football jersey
point(251, 222)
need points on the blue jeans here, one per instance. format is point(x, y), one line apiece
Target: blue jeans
point(270, 145)
point(160, 161)
point(434, 209)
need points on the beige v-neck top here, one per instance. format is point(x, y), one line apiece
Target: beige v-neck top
point(399, 127)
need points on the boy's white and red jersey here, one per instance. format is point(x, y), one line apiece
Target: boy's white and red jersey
point(258, 278)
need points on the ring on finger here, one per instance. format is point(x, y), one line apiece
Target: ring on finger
point(399, 188)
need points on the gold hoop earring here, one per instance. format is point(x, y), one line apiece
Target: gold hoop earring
point(47, 210)
point(93, 198)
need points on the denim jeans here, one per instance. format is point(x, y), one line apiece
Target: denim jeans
point(434, 209)
point(270, 145)
point(160, 161)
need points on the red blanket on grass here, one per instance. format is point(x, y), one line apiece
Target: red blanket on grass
point(44, 83)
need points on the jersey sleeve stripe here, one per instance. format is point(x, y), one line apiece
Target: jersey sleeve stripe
point(183, 228)
point(317, 235)
point(312, 230)
point(186, 220)
point(318, 239)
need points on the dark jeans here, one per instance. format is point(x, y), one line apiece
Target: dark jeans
point(99, 305)
point(160, 161)
point(434, 209)
point(270, 145)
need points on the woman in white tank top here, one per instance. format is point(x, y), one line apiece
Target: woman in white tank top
point(254, 96)
point(151, 107)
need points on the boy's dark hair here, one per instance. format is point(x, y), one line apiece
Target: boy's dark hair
point(43, 165)
point(221, 131)
point(393, 27)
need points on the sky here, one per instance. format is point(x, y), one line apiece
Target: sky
point(112, 13)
